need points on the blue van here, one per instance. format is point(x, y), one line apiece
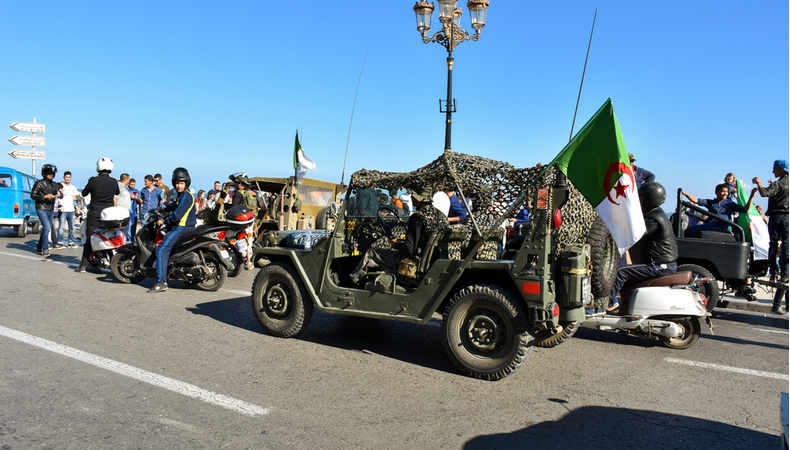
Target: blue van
point(17, 209)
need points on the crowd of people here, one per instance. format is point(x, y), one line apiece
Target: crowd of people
point(62, 202)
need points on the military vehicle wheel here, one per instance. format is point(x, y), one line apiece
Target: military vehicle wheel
point(126, 269)
point(279, 301)
point(220, 274)
point(486, 333)
point(605, 259)
point(691, 332)
point(544, 338)
point(21, 230)
point(709, 290)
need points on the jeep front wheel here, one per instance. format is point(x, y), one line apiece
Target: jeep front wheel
point(486, 333)
point(279, 301)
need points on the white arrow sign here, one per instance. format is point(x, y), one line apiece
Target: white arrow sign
point(29, 127)
point(34, 141)
point(27, 154)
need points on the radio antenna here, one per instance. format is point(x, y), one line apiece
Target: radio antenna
point(343, 175)
point(583, 72)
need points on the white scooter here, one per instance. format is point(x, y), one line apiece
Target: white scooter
point(667, 308)
point(105, 241)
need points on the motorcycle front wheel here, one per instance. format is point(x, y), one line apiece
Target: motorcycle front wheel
point(126, 269)
point(216, 274)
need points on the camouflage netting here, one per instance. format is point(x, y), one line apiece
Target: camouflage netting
point(489, 182)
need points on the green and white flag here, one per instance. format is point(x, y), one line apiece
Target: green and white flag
point(754, 227)
point(301, 162)
point(597, 163)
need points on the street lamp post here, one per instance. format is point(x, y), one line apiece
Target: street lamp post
point(449, 37)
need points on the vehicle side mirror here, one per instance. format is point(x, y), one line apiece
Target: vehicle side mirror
point(333, 209)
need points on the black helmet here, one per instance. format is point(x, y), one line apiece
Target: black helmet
point(651, 196)
point(47, 169)
point(181, 174)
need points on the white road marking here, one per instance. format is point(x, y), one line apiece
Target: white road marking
point(38, 258)
point(757, 373)
point(237, 292)
point(138, 374)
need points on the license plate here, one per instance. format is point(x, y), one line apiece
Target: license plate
point(224, 253)
point(586, 290)
point(241, 244)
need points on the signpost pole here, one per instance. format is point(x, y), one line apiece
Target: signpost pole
point(33, 161)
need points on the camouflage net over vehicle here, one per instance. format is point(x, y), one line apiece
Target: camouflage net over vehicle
point(489, 182)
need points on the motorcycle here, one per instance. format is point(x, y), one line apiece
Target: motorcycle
point(238, 219)
point(667, 308)
point(200, 257)
point(106, 241)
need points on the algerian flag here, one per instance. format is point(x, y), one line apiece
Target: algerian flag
point(754, 227)
point(301, 162)
point(597, 164)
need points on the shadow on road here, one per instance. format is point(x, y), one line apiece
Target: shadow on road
point(598, 427)
point(415, 344)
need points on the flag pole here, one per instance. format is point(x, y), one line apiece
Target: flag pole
point(561, 180)
point(354, 105)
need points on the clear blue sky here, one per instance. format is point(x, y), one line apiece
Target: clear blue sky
point(700, 88)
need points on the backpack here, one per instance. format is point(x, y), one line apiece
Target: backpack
point(249, 201)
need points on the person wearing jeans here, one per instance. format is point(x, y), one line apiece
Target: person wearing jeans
point(67, 210)
point(44, 192)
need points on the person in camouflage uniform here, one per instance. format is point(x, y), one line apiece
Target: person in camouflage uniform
point(424, 220)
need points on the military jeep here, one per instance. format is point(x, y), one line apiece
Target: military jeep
point(493, 309)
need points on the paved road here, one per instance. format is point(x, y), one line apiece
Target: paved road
point(87, 362)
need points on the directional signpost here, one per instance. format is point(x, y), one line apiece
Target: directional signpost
point(27, 154)
point(33, 141)
point(29, 127)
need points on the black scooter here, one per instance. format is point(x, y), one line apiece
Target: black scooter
point(200, 257)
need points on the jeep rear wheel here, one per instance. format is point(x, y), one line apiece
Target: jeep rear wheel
point(486, 333)
point(544, 338)
point(279, 301)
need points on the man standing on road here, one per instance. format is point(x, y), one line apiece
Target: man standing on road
point(131, 229)
point(641, 175)
point(166, 197)
point(102, 188)
point(150, 196)
point(777, 192)
point(67, 209)
point(124, 200)
point(44, 192)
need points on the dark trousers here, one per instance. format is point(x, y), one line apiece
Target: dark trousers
point(777, 230)
point(92, 222)
point(45, 217)
point(640, 272)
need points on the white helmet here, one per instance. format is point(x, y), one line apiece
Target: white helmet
point(104, 165)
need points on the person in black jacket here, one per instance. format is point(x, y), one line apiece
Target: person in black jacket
point(102, 188)
point(659, 247)
point(44, 192)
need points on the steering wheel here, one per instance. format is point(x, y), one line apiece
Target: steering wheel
point(384, 226)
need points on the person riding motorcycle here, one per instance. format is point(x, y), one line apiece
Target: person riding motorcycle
point(659, 248)
point(243, 196)
point(102, 188)
point(44, 192)
point(182, 221)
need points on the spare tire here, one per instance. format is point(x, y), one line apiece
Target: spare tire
point(605, 259)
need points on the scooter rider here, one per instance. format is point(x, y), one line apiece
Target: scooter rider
point(102, 188)
point(659, 248)
point(182, 221)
